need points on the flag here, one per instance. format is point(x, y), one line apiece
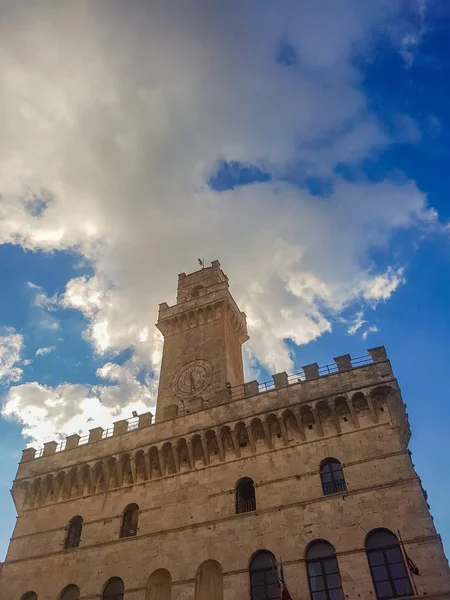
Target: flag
point(201, 262)
point(411, 566)
point(285, 595)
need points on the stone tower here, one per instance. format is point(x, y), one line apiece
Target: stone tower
point(203, 334)
point(235, 487)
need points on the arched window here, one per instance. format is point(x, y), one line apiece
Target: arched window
point(29, 596)
point(113, 589)
point(208, 581)
point(129, 521)
point(70, 592)
point(387, 566)
point(332, 476)
point(159, 585)
point(323, 572)
point(245, 495)
point(264, 576)
point(74, 532)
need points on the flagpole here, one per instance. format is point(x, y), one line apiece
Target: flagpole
point(406, 558)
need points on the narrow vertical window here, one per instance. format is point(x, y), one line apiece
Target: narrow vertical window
point(387, 565)
point(113, 589)
point(264, 576)
point(73, 536)
point(323, 572)
point(129, 521)
point(245, 495)
point(332, 476)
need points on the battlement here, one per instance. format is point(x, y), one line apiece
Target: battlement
point(310, 379)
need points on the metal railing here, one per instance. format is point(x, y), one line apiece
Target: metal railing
point(243, 506)
point(335, 487)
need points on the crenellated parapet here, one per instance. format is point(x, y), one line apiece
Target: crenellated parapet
point(289, 413)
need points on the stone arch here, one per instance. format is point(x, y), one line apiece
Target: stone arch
point(258, 434)
point(130, 519)
point(192, 319)
point(72, 483)
point(100, 479)
point(70, 592)
point(111, 465)
point(29, 596)
point(127, 474)
point(49, 489)
point(379, 396)
point(183, 455)
point(168, 459)
point(114, 589)
point(343, 414)
point(141, 472)
point(159, 585)
point(291, 426)
point(86, 479)
point(274, 428)
point(155, 468)
point(212, 447)
point(325, 417)
point(60, 486)
point(242, 438)
point(308, 421)
point(197, 451)
point(227, 442)
point(209, 581)
point(362, 409)
point(208, 314)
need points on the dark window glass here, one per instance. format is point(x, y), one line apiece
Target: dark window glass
point(74, 532)
point(30, 596)
point(113, 590)
point(71, 592)
point(264, 576)
point(323, 572)
point(129, 521)
point(387, 566)
point(245, 495)
point(332, 476)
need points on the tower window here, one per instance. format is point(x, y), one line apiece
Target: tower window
point(332, 476)
point(264, 577)
point(387, 566)
point(245, 495)
point(323, 572)
point(129, 521)
point(73, 532)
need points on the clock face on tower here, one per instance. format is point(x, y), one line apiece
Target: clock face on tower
point(192, 378)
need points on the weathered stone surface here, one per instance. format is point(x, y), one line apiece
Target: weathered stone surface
point(182, 470)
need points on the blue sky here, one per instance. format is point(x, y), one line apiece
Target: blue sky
point(314, 167)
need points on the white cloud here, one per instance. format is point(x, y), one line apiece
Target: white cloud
point(49, 413)
point(11, 346)
point(111, 153)
point(371, 329)
point(44, 351)
point(357, 322)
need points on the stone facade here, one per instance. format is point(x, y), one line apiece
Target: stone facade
point(188, 537)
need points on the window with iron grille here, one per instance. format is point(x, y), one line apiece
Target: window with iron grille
point(387, 565)
point(129, 521)
point(323, 572)
point(73, 535)
point(245, 495)
point(332, 476)
point(264, 577)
